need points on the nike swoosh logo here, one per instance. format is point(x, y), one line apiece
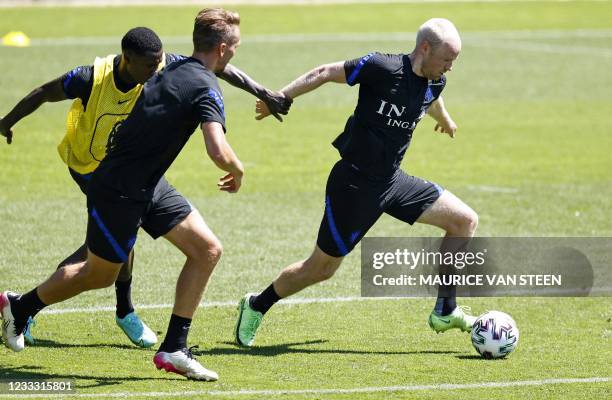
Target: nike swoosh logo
point(123, 101)
point(446, 321)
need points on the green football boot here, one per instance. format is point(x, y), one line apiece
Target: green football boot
point(248, 322)
point(457, 319)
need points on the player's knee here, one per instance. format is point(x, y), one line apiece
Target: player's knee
point(326, 274)
point(465, 223)
point(208, 252)
point(214, 252)
point(325, 271)
point(471, 222)
point(106, 281)
point(97, 280)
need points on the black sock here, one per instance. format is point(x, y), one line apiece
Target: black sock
point(123, 291)
point(447, 299)
point(176, 336)
point(26, 305)
point(266, 299)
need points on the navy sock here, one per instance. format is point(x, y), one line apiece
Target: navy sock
point(26, 305)
point(445, 305)
point(266, 299)
point(123, 291)
point(176, 336)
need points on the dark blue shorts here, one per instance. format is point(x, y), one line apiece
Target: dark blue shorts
point(355, 201)
point(114, 220)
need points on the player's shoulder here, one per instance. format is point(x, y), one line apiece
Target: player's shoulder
point(387, 61)
point(195, 66)
point(192, 72)
point(172, 57)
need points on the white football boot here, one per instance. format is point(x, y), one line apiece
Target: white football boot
point(11, 338)
point(183, 363)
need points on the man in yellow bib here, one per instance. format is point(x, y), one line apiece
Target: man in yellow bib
point(104, 94)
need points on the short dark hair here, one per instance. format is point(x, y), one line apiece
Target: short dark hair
point(213, 26)
point(141, 41)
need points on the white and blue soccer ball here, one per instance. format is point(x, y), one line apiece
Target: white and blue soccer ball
point(495, 334)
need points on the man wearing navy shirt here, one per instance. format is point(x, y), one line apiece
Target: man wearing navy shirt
point(122, 190)
point(104, 93)
point(395, 93)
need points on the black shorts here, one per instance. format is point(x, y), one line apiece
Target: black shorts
point(114, 219)
point(355, 201)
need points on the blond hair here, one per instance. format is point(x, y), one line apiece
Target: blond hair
point(213, 26)
point(437, 31)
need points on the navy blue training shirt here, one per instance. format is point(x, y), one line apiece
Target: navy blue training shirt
point(173, 103)
point(392, 100)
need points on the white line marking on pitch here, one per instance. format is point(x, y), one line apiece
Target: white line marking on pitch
point(494, 189)
point(493, 40)
point(231, 303)
point(344, 37)
point(372, 389)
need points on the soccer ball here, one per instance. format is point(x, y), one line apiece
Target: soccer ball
point(494, 334)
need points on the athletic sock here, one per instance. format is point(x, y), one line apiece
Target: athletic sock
point(446, 304)
point(123, 292)
point(176, 336)
point(266, 299)
point(26, 305)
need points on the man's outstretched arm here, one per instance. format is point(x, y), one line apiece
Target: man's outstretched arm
point(276, 102)
point(311, 80)
point(49, 92)
point(444, 121)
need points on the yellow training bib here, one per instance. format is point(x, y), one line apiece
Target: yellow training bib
point(88, 128)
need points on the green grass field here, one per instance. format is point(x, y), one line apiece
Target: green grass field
point(531, 95)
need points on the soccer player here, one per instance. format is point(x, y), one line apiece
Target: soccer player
point(104, 94)
point(395, 92)
point(172, 104)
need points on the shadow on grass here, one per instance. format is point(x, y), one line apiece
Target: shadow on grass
point(477, 357)
point(59, 345)
point(296, 348)
point(39, 373)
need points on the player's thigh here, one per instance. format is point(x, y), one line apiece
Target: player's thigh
point(352, 206)
point(451, 214)
point(411, 197)
point(172, 216)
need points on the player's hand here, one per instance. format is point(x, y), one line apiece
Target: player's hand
point(261, 110)
point(230, 183)
point(447, 126)
point(277, 103)
point(6, 131)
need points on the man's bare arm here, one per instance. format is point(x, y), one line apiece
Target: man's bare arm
point(49, 92)
point(308, 82)
point(276, 102)
point(314, 78)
